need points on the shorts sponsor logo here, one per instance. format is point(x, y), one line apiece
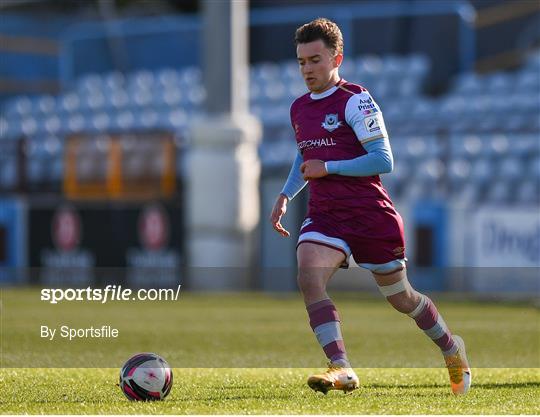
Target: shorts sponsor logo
point(331, 122)
point(306, 222)
point(372, 123)
point(316, 143)
point(399, 251)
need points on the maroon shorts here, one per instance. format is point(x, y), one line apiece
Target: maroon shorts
point(374, 236)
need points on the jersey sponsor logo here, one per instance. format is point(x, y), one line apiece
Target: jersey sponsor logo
point(372, 123)
point(331, 122)
point(366, 104)
point(370, 111)
point(316, 143)
point(306, 222)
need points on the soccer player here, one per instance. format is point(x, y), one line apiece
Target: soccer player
point(343, 146)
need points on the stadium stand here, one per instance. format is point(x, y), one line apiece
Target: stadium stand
point(486, 127)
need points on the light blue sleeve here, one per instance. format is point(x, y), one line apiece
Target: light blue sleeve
point(378, 160)
point(295, 180)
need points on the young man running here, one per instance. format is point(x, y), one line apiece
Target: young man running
point(343, 146)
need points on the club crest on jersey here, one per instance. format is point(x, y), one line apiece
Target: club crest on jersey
point(331, 122)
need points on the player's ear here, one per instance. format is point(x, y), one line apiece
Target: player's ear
point(338, 60)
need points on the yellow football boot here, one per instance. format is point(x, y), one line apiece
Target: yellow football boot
point(458, 369)
point(336, 377)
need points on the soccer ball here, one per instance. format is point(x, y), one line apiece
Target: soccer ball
point(146, 377)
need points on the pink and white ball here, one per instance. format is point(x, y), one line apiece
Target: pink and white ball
point(146, 377)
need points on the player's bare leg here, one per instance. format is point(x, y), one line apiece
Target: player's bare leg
point(400, 294)
point(316, 266)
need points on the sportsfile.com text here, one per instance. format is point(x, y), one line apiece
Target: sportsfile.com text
point(109, 293)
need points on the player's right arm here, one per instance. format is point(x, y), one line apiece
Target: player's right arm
point(294, 184)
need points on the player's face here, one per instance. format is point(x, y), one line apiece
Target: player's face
point(318, 65)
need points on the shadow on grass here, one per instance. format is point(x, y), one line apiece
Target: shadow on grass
point(492, 385)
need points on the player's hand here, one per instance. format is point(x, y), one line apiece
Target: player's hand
point(280, 208)
point(312, 169)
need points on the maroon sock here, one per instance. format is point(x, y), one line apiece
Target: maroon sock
point(325, 322)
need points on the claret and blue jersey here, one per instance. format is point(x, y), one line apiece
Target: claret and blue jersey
point(349, 209)
point(337, 126)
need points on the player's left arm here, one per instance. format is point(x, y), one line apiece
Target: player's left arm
point(371, 132)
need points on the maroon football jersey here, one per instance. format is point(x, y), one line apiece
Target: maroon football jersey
point(332, 126)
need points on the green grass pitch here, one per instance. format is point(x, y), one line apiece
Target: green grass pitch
point(251, 354)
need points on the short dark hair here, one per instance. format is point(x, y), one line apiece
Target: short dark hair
point(322, 29)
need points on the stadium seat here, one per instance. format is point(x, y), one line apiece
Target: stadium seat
point(393, 66)
point(168, 78)
point(495, 145)
point(29, 126)
point(142, 79)
point(499, 193)
point(290, 71)
point(418, 65)
point(117, 99)
point(76, 123)
point(482, 170)
point(266, 72)
point(114, 81)
point(528, 81)
point(465, 146)
point(533, 168)
point(469, 194)
point(430, 170)
point(100, 122)
point(177, 118)
point(190, 76)
point(458, 170)
point(274, 91)
point(90, 83)
point(369, 64)
point(70, 102)
point(528, 192)
point(140, 96)
point(499, 82)
point(510, 168)
point(46, 105)
point(469, 83)
point(524, 145)
point(195, 96)
point(124, 120)
point(53, 124)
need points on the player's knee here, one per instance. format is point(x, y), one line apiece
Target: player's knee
point(400, 295)
point(404, 302)
point(309, 281)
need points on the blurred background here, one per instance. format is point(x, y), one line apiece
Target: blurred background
point(104, 105)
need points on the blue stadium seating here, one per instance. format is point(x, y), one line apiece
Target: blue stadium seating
point(479, 142)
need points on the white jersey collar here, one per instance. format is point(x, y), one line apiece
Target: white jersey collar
point(324, 94)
